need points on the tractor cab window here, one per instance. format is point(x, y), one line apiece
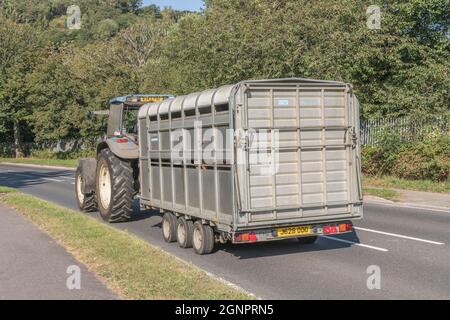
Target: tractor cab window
point(122, 120)
point(130, 116)
point(115, 119)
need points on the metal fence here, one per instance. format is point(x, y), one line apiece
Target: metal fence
point(61, 146)
point(406, 128)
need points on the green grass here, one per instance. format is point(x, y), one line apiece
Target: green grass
point(397, 183)
point(4, 190)
point(48, 162)
point(382, 193)
point(128, 265)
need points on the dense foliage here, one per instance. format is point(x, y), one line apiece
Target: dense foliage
point(51, 75)
point(423, 160)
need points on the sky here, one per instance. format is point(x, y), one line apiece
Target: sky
point(192, 5)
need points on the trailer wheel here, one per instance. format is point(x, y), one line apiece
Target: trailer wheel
point(185, 232)
point(307, 240)
point(86, 202)
point(169, 227)
point(203, 238)
point(115, 188)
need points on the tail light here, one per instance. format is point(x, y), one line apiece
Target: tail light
point(252, 237)
point(246, 237)
point(330, 229)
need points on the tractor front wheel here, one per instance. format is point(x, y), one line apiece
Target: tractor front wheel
point(86, 202)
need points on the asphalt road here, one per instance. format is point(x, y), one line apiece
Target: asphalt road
point(410, 246)
point(36, 268)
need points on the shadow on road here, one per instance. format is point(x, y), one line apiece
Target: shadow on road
point(285, 247)
point(20, 179)
point(139, 215)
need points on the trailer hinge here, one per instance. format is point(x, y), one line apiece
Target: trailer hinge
point(354, 137)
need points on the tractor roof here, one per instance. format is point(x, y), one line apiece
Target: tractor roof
point(140, 98)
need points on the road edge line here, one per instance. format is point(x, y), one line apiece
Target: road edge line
point(356, 244)
point(37, 166)
point(208, 273)
point(407, 205)
point(401, 236)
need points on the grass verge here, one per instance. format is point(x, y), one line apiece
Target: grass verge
point(382, 193)
point(396, 183)
point(47, 162)
point(128, 265)
point(4, 190)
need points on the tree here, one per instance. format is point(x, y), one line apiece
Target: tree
point(426, 20)
point(20, 49)
point(395, 71)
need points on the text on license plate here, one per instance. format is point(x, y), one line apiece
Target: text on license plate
point(294, 231)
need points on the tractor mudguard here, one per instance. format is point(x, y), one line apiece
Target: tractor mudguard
point(88, 168)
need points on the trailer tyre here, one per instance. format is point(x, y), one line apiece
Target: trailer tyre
point(169, 227)
point(307, 240)
point(115, 187)
point(185, 232)
point(86, 202)
point(203, 238)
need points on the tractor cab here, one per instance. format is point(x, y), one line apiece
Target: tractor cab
point(123, 114)
point(122, 131)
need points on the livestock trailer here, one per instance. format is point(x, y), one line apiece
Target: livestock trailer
point(253, 161)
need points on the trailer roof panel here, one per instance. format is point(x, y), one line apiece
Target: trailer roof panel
point(221, 95)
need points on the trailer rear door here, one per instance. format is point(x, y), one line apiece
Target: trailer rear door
point(300, 156)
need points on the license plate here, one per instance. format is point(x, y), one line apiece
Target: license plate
point(294, 231)
point(152, 99)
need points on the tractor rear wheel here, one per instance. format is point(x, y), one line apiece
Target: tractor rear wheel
point(115, 187)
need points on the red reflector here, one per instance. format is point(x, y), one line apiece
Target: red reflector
point(122, 140)
point(349, 227)
point(238, 237)
point(330, 229)
point(252, 237)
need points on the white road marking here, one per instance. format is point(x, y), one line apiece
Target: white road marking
point(409, 206)
point(51, 179)
point(66, 179)
point(37, 166)
point(356, 244)
point(36, 177)
point(399, 236)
